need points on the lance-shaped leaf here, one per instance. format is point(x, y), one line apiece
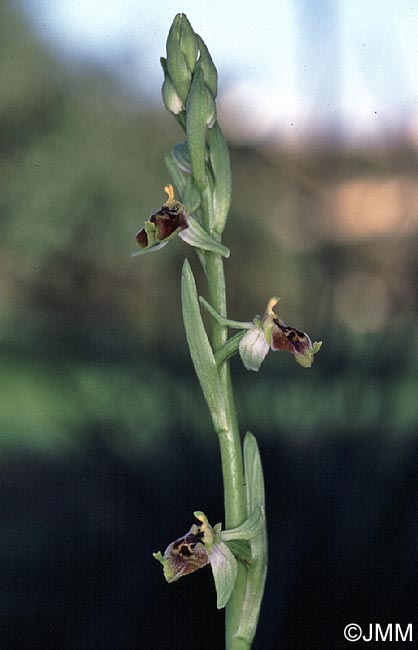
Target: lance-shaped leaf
point(196, 114)
point(257, 570)
point(219, 159)
point(200, 349)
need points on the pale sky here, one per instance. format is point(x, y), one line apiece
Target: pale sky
point(283, 63)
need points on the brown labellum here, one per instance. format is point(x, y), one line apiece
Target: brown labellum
point(289, 338)
point(185, 555)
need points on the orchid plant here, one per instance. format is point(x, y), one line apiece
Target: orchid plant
point(201, 175)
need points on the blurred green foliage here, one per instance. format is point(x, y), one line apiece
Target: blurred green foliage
point(92, 340)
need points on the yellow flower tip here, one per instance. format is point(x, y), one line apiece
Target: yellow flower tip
point(168, 189)
point(201, 517)
point(271, 304)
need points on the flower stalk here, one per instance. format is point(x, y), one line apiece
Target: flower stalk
point(201, 173)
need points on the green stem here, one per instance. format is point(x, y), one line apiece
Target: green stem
point(230, 446)
point(229, 440)
point(232, 465)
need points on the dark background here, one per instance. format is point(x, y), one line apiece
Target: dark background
point(106, 443)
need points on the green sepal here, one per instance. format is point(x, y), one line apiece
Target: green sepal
point(178, 177)
point(196, 113)
point(200, 349)
point(151, 231)
point(191, 196)
point(316, 346)
point(235, 324)
point(150, 249)
point(153, 244)
point(253, 348)
point(221, 558)
point(208, 66)
point(197, 236)
point(159, 557)
point(224, 569)
point(306, 360)
point(221, 166)
point(177, 66)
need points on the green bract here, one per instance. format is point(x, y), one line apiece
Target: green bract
point(196, 120)
point(209, 70)
point(219, 158)
point(257, 570)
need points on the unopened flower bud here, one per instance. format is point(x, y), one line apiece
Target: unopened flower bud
point(180, 54)
point(172, 100)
